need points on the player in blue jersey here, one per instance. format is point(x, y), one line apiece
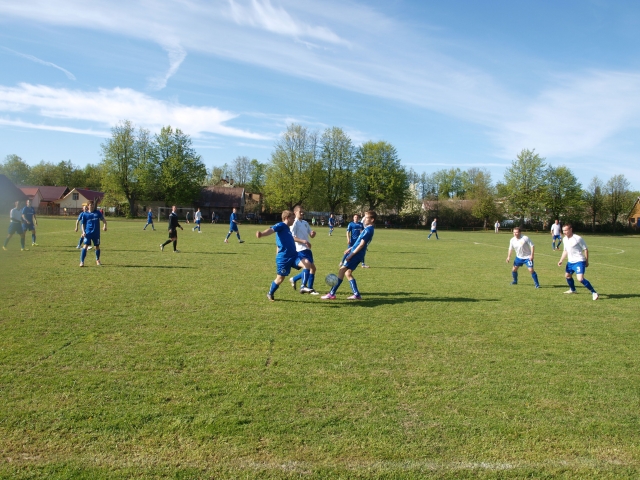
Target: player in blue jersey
point(82, 220)
point(149, 220)
point(301, 232)
point(524, 256)
point(91, 232)
point(577, 255)
point(354, 229)
point(287, 256)
point(354, 256)
point(434, 229)
point(233, 227)
point(30, 222)
point(197, 220)
point(15, 226)
point(332, 224)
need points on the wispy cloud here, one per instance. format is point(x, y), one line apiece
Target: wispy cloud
point(54, 128)
point(176, 56)
point(69, 75)
point(106, 107)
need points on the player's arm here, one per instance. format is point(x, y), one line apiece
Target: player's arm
point(312, 233)
point(104, 221)
point(360, 246)
point(35, 220)
point(265, 233)
point(77, 222)
point(301, 241)
point(586, 257)
point(532, 250)
point(508, 254)
point(562, 257)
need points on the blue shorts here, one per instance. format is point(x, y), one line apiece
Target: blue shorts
point(198, 222)
point(433, 230)
point(557, 237)
point(577, 267)
point(233, 228)
point(28, 226)
point(284, 265)
point(95, 238)
point(518, 262)
point(15, 227)
point(306, 253)
point(354, 262)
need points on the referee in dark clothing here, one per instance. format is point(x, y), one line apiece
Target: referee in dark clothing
point(173, 230)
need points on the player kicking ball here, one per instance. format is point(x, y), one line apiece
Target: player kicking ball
point(287, 256)
point(354, 256)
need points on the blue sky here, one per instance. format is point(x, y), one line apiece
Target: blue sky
point(456, 83)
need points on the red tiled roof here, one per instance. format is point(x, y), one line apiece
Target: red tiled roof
point(49, 193)
point(90, 194)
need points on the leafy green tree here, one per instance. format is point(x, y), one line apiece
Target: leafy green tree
point(126, 158)
point(594, 199)
point(241, 171)
point(380, 179)
point(618, 198)
point(182, 172)
point(92, 177)
point(293, 174)
point(563, 192)
point(338, 162)
point(257, 176)
point(16, 170)
point(44, 173)
point(524, 185)
point(451, 183)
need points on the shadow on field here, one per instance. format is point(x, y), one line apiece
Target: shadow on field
point(372, 300)
point(403, 268)
point(149, 266)
point(621, 295)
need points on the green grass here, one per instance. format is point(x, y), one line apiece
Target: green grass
point(177, 366)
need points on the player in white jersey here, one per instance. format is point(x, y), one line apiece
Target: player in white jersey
point(556, 230)
point(524, 256)
point(577, 255)
point(301, 232)
point(496, 226)
point(434, 229)
point(197, 221)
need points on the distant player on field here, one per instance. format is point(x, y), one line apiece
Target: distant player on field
point(577, 254)
point(197, 221)
point(79, 221)
point(556, 230)
point(434, 229)
point(287, 256)
point(15, 226)
point(29, 221)
point(497, 226)
point(354, 256)
point(233, 226)
point(301, 232)
point(524, 256)
point(332, 223)
point(91, 232)
point(149, 220)
point(174, 225)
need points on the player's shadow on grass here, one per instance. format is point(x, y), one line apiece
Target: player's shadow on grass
point(150, 266)
point(621, 295)
point(373, 300)
point(403, 268)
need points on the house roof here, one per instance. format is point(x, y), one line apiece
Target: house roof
point(88, 194)
point(29, 191)
point(221, 197)
point(9, 193)
point(48, 193)
point(634, 208)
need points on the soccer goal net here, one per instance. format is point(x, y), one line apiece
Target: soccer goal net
point(163, 213)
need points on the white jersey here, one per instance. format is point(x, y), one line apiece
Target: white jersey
point(575, 248)
point(198, 216)
point(556, 229)
point(301, 229)
point(433, 225)
point(497, 225)
point(522, 246)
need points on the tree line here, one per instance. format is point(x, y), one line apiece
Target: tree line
point(325, 171)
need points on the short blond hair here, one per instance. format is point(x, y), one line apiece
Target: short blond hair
point(286, 214)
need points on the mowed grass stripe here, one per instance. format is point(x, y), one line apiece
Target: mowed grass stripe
point(162, 364)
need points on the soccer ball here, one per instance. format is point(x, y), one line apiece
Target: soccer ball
point(331, 279)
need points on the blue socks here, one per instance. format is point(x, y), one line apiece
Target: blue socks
point(572, 284)
point(83, 255)
point(312, 277)
point(97, 254)
point(354, 287)
point(534, 275)
point(274, 287)
point(515, 277)
point(586, 283)
point(334, 289)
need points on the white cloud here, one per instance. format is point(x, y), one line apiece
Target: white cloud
point(69, 75)
point(108, 107)
point(55, 128)
point(176, 56)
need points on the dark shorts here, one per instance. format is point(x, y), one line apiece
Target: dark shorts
point(15, 227)
point(233, 228)
point(28, 226)
point(95, 238)
point(173, 234)
point(284, 266)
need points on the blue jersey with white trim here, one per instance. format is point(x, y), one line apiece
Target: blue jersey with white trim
point(28, 213)
point(91, 222)
point(367, 236)
point(284, 241)
point(355, 228)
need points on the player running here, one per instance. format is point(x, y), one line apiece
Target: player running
point(434, 229)
point(577, 254)
point(524, 256)
point(301, 232)
point(287, 256)
point(30, 222)
point(354, 256)
point(197, 221)
point(233, 226)
point(149, 220)
point(15, 226)
point(556, 230)
point(91, 232)
point(174, 224)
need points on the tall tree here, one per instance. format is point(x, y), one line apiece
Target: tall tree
point(476, 183)
point(524, 184)
point(257, 176)
point(338, 161)
point(380, 179)
point(594, 200)
point(182, 172)
point(617, 198)
point(120, 164)
point(16, 169)
point(44, 173)
point(451, 183)
point(241, 171)
point(562, 193)
point(293, 173)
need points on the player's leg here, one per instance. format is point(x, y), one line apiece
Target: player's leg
point(83, 252)
point(437, 237)
point(6, 241)
point(22, 247)
point(570, 282)
point(514, 275)
point(226, 240)
point(33, 236)
point(587, 284)
point(305, 264)
point(332, 293)
point(168, 241)
point(534, 275)
point(276, 283)
point(354, 286)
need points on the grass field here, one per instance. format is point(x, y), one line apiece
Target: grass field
point(176, 365)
